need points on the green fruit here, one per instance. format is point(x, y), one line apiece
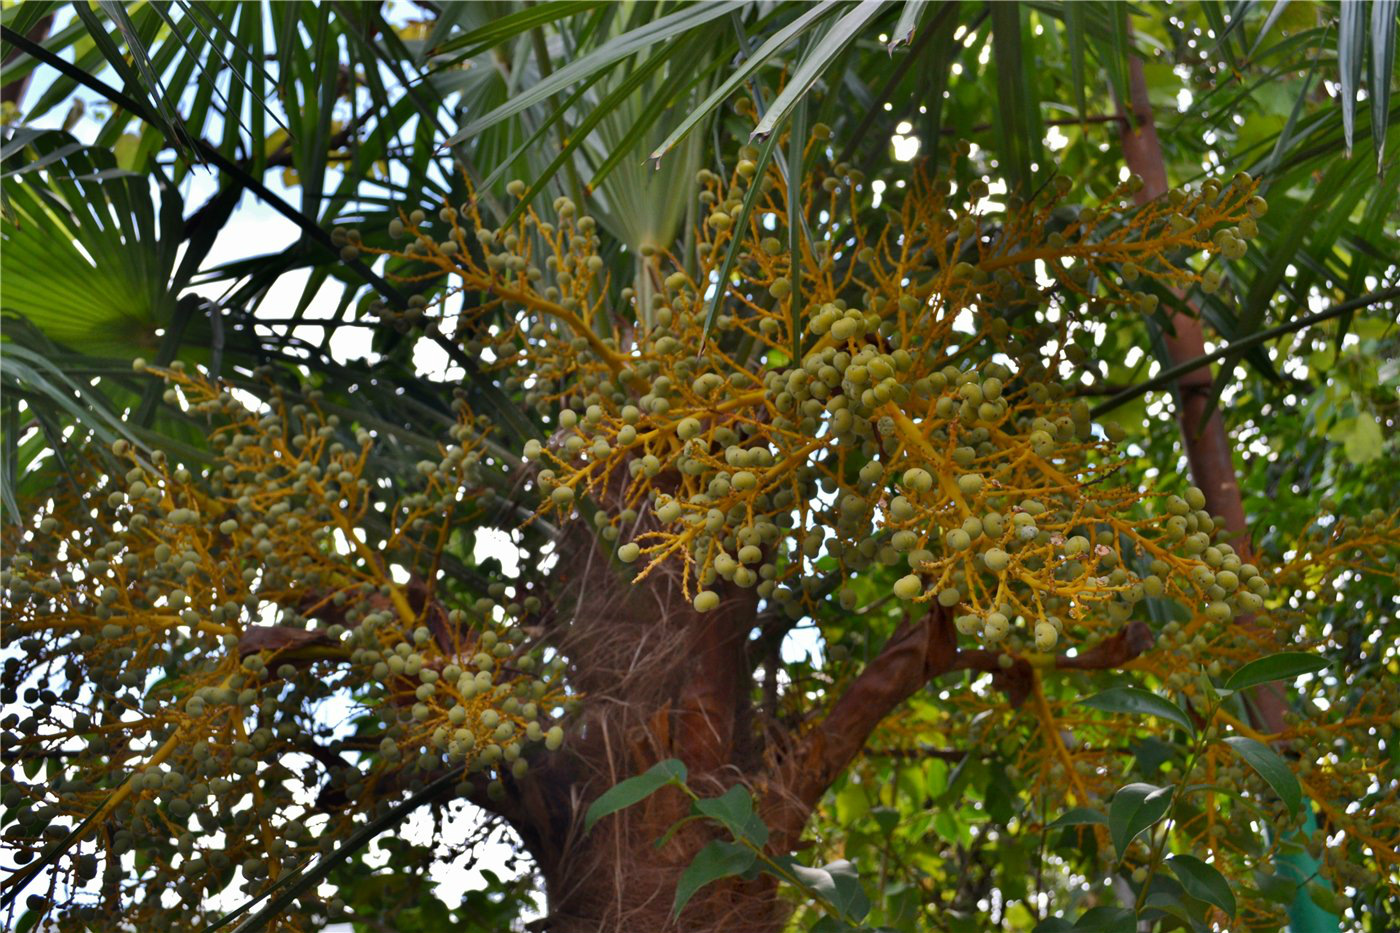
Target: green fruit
point(629, 552)
point(917, 479)
point(996, 559)
point(705, 600)
point(908, 587)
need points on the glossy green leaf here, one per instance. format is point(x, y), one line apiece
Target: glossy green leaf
point(1139, 702)
point(1078, 816)
point(717, 860)
point(1271, 767)
point(1106, 920)
point(734, 810)
point(1283, 666)
point(635, 789)
point(838, 884)
point(1203, 882)
point(1134, 808)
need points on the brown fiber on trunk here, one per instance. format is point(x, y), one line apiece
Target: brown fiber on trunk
point(660, 681)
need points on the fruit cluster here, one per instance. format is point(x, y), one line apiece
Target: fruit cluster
point(892, 397)
point(197, 623)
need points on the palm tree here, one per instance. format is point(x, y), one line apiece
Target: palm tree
point(353, 116)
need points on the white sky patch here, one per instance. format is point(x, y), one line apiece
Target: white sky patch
point(905, 147)
point(493, 542)
point(431, 360)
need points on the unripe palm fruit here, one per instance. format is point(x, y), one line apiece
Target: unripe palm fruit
point(996, 559)
point(917, 479)
point(908, 587)
point(705, 600)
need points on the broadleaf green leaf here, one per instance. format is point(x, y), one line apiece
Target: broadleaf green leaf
point(1203, 882)
point(1106, 920)
point(1283, 666)
point(1140, 702)
point(1135, 808)
point(1271, 767)
point(734, 809)
point(717, 860)
point(1078, 816)
point(635, 789)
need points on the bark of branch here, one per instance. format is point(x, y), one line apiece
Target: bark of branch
point(917, 651)
point(914, 655)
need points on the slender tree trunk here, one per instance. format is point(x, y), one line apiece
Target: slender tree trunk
point(1209, 451)
point(13, 93)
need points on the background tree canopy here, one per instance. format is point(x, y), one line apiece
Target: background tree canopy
point(700, 466)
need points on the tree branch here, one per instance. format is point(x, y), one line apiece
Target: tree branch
point(914, 655)
point(918, 651)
